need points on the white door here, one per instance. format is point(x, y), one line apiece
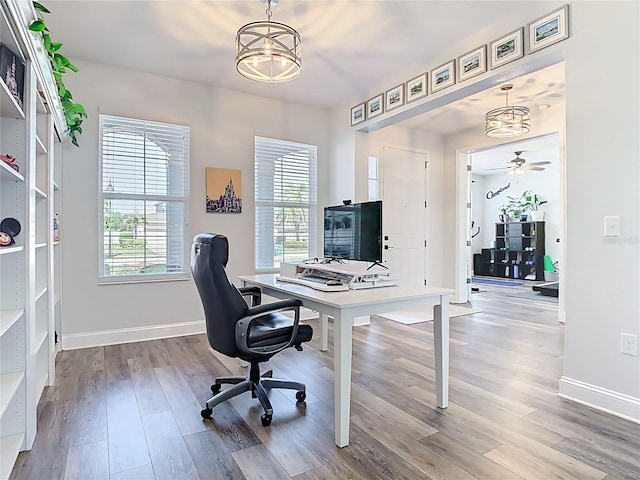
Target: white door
point(404, 214)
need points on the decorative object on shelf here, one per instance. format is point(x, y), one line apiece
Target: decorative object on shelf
point(514, 211)
point(56, 228)
point(417, 88)
point(444, 76)
point(472, 63)
point(357, 114)
point(537, 216)
point(375, 106)
point(9, 229)
point(506, 49)
point(74, 113)
point(503, 216)
point(268, 51)
point(394, 97)
point(507, 121)
point(224, 190)
point(549, 29)
point(11, 161)
point(12, 73)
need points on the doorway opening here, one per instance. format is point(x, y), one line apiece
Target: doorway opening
point(515, 214)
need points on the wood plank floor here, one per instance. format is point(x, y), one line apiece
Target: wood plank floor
point(133, 411)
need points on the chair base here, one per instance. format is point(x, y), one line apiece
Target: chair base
point(256, 384)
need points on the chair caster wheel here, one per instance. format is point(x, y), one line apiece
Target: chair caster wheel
point(215, 388)
point(206, 413)
point(300, 396)
point(266, 420)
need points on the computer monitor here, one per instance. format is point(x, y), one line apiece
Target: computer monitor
point(354, 232)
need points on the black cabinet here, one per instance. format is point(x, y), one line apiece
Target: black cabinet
point(519, 250)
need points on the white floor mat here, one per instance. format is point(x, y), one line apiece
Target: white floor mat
point(409, 317)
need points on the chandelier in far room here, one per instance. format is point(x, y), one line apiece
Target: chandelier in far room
point(507, 121)
point(268, 51)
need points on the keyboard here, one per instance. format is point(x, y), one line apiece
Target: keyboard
point(315, 278)
point(317, 285)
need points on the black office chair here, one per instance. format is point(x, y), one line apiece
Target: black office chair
point(253, 334)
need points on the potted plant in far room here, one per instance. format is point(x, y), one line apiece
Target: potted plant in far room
point(517, 212)
point(504, 213)
point(532, 202)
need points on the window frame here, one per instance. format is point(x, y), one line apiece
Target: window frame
point(311, 205)
point(185, 199)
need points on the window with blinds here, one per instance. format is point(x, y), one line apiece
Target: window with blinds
point(144, 192)
point(285, 202)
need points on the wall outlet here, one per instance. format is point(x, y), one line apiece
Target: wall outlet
point(629, 344)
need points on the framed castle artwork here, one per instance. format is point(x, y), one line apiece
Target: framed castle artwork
point(224, 190)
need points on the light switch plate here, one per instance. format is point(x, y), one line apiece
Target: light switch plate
point(612, 226)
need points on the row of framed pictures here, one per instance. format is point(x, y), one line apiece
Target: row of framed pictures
point(545, 31)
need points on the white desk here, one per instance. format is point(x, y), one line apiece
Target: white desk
point(344, 307)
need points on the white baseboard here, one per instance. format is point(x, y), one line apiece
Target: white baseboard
point(127, 335)
point(608, 401)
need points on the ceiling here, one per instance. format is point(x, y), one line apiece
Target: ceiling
point(348, 46)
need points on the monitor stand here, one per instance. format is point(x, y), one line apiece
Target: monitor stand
point(377, 263)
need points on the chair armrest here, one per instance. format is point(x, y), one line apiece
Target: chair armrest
point(243, 326)
point(254, 292)
point(282, 305)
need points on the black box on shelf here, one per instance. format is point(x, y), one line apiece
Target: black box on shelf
point(12, 73)
point(477, 264)
point(488, 255)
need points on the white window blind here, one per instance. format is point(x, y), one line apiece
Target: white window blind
point(144, 190)
point(286, 202)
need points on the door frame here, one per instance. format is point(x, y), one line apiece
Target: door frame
point(464, 255)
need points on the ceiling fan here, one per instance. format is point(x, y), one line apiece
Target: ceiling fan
point(519, 165)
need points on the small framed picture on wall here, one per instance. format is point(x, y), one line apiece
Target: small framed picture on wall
point(444, 76)
point(375, 106)
point(417, 88)
point(472, 63)
point(395, 97)
point(506, 49)
point(357, 114)
point(547, 30)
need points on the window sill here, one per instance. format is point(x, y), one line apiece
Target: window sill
point(128, 279)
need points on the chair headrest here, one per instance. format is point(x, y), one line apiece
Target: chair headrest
point(219, 247)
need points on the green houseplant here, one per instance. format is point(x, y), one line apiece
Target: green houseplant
point(74, 113)
point(527, 202)
point(531, 202)
point(504, 213)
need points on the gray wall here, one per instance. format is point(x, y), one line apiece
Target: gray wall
point(603, 173)
point(223, 124)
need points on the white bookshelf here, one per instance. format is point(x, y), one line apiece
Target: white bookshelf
point(30, 300)
point(10, 447)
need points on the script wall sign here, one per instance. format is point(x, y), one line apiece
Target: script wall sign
point(491, 194)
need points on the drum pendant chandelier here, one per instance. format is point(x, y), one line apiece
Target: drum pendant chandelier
point(268, 51)
point(507, 121)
